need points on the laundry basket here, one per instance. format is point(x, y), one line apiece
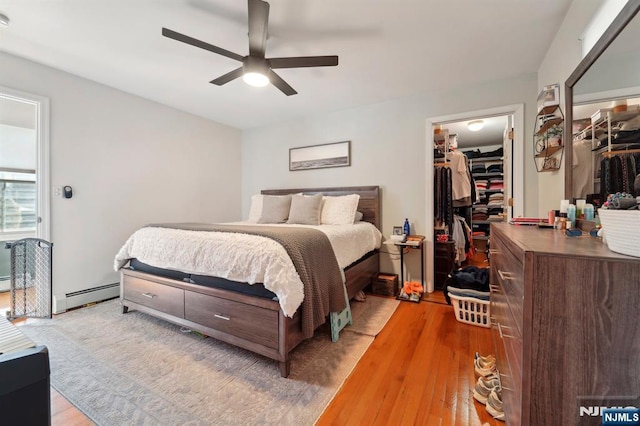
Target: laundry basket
point(31, 271)
point(470, 310)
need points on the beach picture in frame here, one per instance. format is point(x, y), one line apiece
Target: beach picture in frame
point(336, 154)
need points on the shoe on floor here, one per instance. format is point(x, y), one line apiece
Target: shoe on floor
point(485, 368)
point(487, 358)
point(494, 405)
point(483, 388)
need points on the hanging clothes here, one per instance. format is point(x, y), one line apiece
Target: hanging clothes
point(618, 174)
point(460, 178)
point(443, 212)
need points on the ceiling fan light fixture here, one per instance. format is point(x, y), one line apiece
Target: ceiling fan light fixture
point(475, 125)
point(255, 79)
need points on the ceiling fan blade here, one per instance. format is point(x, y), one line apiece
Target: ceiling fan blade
point(224, 79)
point(258, 21)
point(303, 61)
point(284, 87)
point(201, 44)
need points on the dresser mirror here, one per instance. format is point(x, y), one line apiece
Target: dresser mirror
point(607, 77)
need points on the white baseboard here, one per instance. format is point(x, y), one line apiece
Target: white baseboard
point(61, 303)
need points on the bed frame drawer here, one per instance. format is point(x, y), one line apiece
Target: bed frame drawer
point(154, 295)
point(247, 322)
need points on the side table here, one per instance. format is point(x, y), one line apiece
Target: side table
point(417, 244)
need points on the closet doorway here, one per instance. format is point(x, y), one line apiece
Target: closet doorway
point(494, 155)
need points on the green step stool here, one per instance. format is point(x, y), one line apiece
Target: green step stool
point(340, 320)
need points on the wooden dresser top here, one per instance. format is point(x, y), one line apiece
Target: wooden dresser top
point(531, 238)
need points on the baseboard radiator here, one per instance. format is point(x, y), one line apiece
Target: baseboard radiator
point(62, 303)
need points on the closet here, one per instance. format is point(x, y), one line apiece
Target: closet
point(606, 149)
point(487, 169)
point(469, 192)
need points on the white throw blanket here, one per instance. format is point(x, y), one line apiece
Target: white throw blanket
point(241, 257)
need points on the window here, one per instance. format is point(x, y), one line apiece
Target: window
point(17, 202)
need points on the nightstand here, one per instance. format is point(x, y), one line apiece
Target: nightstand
point(416, 245)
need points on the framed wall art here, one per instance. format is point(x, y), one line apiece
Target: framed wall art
point(336, 154)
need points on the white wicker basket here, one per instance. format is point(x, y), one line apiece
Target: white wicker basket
point(621, 230)
point(470, 310)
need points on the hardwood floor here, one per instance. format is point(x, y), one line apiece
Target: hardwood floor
point(418, 370)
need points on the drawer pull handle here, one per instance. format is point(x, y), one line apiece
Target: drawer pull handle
point(494, 251)
point(149, 295)
point(504, 275)
point(221, 317)
point(494, 288)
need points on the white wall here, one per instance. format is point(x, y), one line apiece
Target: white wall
point(388, 142)
point(130, 162)
point(563, 56)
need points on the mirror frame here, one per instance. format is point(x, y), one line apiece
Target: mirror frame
point(627, 13)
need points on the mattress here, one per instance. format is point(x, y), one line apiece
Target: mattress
point(256, 289)
point(242, 258)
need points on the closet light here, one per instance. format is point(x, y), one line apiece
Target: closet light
point(475, 125)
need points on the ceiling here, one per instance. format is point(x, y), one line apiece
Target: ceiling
point(387, 49)
point(491, 134)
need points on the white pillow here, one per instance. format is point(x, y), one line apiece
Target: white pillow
point(339, 210)
point(256, 208)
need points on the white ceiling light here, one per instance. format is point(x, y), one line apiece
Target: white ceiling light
point(475, 125)
point(255, 71)
point(255, 79)
point(4, 20)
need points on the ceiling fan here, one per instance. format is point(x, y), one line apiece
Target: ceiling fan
point(256, 70)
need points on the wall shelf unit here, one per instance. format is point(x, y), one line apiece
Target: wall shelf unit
point(547, 139)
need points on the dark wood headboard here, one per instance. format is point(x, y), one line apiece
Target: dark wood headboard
point(369, 203)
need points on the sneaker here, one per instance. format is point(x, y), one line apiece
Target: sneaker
point(494, 405)
point(485, 368)
point(488, 358)
point(483, 388)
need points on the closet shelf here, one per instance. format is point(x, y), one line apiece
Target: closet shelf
point(485, 159)
point(490, 191)
point(487, 206)
point(493, 174)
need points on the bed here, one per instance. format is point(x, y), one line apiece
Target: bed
point(250, 319)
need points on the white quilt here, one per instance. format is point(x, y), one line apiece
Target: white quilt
point(241, 257)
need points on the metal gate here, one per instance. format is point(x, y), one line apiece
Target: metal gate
point(31, 274)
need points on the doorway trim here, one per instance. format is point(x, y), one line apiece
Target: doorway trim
point(41, 103)
point(517, 110)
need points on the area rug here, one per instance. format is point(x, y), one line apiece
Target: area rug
point(134, 369)
point(370, 317)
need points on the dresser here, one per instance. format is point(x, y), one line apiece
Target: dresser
point(564, 318)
